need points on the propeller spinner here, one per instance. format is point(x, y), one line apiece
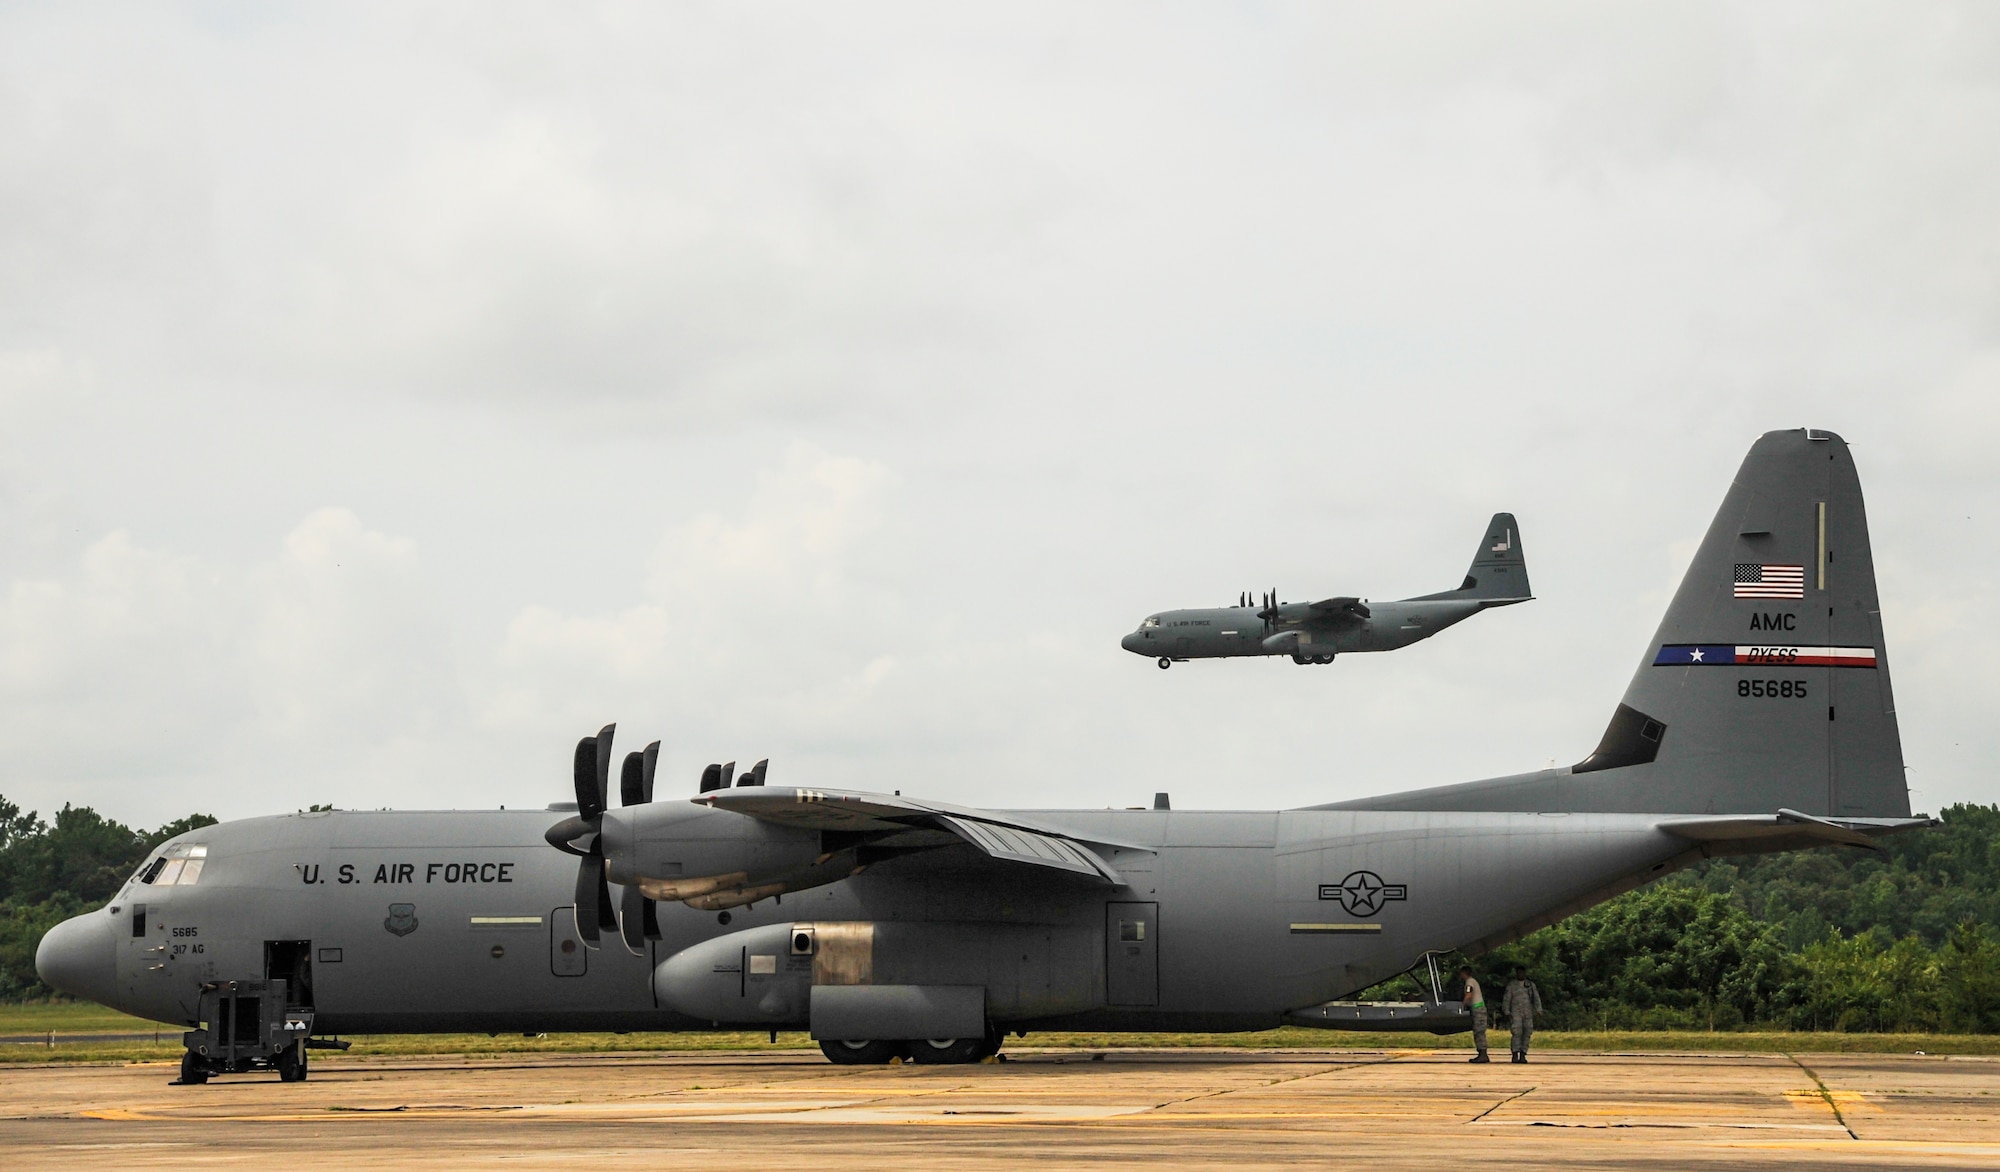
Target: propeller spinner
point(582, 835)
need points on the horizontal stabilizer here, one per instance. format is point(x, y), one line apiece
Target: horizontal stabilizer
point(1762, 832)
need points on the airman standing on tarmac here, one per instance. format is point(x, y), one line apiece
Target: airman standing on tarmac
point(1521, 1002)
point(1475, 1000)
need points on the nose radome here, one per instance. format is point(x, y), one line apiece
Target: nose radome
point(77, 957)
point(1131, 643)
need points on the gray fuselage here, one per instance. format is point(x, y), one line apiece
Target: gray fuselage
point(1221, 632)
point(435, 921)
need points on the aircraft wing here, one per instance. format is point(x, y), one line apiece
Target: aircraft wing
point(1340, 610)
point(1005, 837)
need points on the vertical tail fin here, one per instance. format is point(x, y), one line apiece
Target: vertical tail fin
point(1766, 687)
point(1767, 684)
point(1499, 571)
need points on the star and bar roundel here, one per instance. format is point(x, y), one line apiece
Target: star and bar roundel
point(1363, 893)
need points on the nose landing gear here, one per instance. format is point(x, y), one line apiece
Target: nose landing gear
point(1165, 663)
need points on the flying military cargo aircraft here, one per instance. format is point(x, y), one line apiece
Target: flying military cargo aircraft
point(1759, 718)
point(1315, 632)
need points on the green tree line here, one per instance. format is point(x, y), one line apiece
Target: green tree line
point(1829, 939)
point(1834, 939)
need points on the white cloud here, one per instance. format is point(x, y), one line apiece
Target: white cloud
point(847, 383)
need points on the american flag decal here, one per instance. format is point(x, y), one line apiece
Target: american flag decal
point(1756, 580)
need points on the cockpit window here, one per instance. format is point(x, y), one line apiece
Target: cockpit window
point(1153, 621)
point(179, 865)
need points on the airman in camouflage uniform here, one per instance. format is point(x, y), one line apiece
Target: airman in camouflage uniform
point(1475, 1000)
point(1521, 1002)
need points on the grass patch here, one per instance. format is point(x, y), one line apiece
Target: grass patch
point(72, 1018)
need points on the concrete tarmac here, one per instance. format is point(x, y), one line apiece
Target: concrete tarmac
point(1182, 1109)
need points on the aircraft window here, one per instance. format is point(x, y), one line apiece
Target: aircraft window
point(178, 864)
point(1151, 622)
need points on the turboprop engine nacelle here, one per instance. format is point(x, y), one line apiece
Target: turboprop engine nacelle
point(766, 976)
point(1282, 643)
point(713, 859)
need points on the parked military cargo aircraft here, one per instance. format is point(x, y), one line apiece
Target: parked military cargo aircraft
point(1759, 718)
point(1315, 632)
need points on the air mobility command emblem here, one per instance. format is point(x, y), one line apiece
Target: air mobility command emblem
point(402, 919)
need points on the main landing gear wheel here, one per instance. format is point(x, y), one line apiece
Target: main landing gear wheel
point(1165, 663)
point(947, 1051)
point(193, 1071)
point(291, 1063)
point(861, 1053)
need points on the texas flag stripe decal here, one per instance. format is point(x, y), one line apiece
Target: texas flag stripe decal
point(1727, 655)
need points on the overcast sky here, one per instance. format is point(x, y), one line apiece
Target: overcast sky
point(392, 395)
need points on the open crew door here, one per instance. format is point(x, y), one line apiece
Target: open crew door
point(290, 961)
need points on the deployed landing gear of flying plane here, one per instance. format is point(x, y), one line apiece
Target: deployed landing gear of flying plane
point(1165, 663)
point(1302, 659)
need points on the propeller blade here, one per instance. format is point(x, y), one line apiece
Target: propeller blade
point(607, 912)
point(756, 774)
point(728, 771)
point(632, 918)
point(652, 765)
point(593, 762)
point(631, 780)
point(711, 777)
point(589, 805)
point(589, 880)
point(604, 765)
point(649, 918)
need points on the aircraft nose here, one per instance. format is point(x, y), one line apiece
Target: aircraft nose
point(1133, 643)
point(78, 957)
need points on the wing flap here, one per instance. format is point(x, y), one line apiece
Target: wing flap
point(1343, 610)
point(1025, 846)
point(999, 836)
